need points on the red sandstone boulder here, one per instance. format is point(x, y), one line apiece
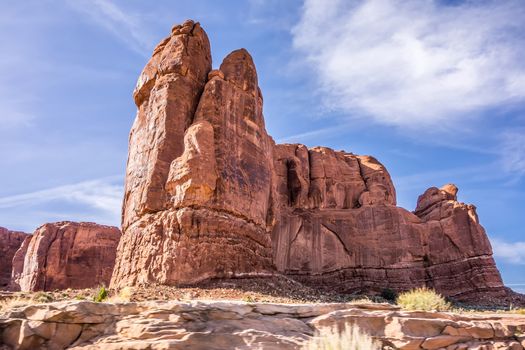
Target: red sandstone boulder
point(66, 255)
point(10, 241)
point(208, 195)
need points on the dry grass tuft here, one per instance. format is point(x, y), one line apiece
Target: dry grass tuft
point(12, 303)
point(351, 338)
point(123, 296)
point(423, 299)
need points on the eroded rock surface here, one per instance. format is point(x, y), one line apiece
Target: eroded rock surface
point(210, 195)
point(10, 241)
point(66, 255)
point(200, 211)
point(238, 325)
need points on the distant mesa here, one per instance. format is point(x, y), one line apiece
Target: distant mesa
point(209, 194)
point(10, 241)
point(65, 255)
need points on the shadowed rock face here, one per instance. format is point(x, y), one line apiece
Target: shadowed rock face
point(10, 241)
point(66, 255)
point(209, 194)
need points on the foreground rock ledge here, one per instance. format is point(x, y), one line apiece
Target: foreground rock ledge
point(238, 325)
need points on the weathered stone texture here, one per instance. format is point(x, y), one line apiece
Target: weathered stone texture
point(213, 325)
point(66, 255)
point(209, 194)
point(214, 193)
point(10, 241)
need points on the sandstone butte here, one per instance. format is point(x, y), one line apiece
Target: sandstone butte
point(65, 255)
point(209, 194)
point(10, 241)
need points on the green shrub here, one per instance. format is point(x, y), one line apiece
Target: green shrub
point(101, 295)
point(422, 299)
point(388, 294)
point(42, 297)
point(351, 338)
point(248, 299)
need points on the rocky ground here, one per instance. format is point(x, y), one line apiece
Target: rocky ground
point(275, 289)
point(260, 313)
point(245, 325)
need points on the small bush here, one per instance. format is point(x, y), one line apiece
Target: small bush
point(389, 294)
point(351, 338)
point(123, 296)
point(12, 303)
point(101, 295)
point(422, 299)
point(248, 299)
point(42, 297)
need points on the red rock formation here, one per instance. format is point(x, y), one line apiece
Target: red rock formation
point(203, 211)
point(209, 194)
point(10, 241)
point(66, 255)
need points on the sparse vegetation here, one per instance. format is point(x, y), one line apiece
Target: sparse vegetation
point(101, 295)
point(12, 303)
point(423, 299)
point(249, 299)
point(389, 294)
point(123, 296)
point(43, 297)
point(520, 311)
point(350, 338)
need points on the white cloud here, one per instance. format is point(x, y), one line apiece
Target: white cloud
point(513, 152)
point(511, 252)
point(415, 62)
point(103, 194)
point(127, 27)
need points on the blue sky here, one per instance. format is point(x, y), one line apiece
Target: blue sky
point(434, 89)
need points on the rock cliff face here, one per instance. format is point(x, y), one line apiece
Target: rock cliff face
point(209, 194)
point(10, 241)
point(198, 179)
point(66, 255)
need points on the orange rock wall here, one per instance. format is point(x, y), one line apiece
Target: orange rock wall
point(210, 195)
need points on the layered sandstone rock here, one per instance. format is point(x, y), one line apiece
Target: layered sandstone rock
point(200, 211)
point(222, 325)
point(66, 255)
point(10, 241)
point(208, 194)
point(375, 247)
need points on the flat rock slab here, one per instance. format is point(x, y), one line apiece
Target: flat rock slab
point(240, 325)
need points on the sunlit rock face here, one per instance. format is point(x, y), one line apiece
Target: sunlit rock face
point(65, 255)
point(208, 194)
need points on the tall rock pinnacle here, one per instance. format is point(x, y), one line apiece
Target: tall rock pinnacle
point(209, 195)
point(199, 171)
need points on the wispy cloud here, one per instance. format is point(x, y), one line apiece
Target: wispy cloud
point(510, 252)
point(313, 134)
point(513, 152)
point(12, 115)
point(414, 63)
point(104, 194)
point(124, 25)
